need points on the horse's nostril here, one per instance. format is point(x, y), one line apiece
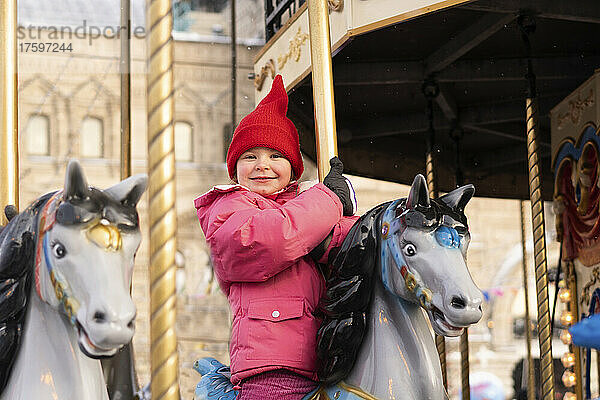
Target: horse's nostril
point(458, 302)
point(99, 317)
point(131, 324)
point(480, 309)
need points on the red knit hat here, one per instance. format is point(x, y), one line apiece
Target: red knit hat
point(267, 126)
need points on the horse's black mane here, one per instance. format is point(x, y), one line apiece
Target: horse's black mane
point(350, 285)
point(17, 256)
point(348, 297)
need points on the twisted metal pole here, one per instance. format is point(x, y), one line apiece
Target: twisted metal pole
point(431, 90)
point(530, 369)
point(527, 25)
point(9, 138)
point(162, 214)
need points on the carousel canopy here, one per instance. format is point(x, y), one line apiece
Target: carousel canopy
point(475, 53)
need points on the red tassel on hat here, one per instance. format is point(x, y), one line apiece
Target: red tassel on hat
point(267, 126)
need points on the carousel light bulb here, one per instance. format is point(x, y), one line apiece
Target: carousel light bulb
point(566, 318)
point(569, 396)
point(565, 337)
point(562, 284)
point(568, 378)
point(564, 295)
point(568, 360)
point(490, 324)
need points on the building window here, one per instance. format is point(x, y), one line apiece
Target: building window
point(183, 141)
point(227, 136)
point(91, 139)
point(209, 6)
point(38, 135)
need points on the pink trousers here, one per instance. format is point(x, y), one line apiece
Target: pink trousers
point(280, 384)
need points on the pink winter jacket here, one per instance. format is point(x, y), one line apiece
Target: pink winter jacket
point(259, 248)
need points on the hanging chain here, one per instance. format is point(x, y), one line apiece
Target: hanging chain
point(430, 90)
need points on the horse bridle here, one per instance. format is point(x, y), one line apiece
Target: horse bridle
point(100, 231)
point(390, 226)
point(62, 291)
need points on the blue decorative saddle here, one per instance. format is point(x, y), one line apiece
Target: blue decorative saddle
point(215, 384)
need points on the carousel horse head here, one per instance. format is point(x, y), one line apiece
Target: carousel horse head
point(86, 244)
point(423, 251)
point(415, 248)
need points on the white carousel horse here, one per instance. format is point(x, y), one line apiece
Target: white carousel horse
point(399, 259)
point(65, 267)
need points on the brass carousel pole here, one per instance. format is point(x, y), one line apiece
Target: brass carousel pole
point(527, 25)
point(530, 369)
point(125, 89)
point(431, 90)
point(161, 191)
point(9, 138)
point(119, 370)
point(322, 80)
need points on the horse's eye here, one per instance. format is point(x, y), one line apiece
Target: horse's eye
point(59, 250)
point(409, 250)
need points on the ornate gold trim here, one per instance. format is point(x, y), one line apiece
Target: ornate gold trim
point(356, 391)
point(576, 108)
point(294, 49)
point(335, 5)
point(259, 80)
point(105, 236)
point(371, 26)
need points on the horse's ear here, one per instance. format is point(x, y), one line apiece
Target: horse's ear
point(75, 183)
point(419, 195)
point(129, 190)
point(458, 198)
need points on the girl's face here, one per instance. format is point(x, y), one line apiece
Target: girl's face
point(263, 170)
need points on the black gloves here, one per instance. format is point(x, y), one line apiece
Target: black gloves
point(341, 186)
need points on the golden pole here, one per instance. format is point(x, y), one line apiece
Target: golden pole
point(530, 369)
point(9, 138)
point(125, 89)
point(322, 80)
point(161, 191)
point(539, 240)
point(527, 25)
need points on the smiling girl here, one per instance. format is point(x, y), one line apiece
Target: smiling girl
point(260, 232)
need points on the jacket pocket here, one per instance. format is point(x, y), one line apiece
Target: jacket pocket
point(276, 329)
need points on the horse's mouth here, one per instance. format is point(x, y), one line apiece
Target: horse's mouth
point(89, 348)
point(440, 323)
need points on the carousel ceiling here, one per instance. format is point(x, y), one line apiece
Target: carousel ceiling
point(476, 55)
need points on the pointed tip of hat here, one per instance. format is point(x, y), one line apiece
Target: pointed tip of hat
point(277, 93)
